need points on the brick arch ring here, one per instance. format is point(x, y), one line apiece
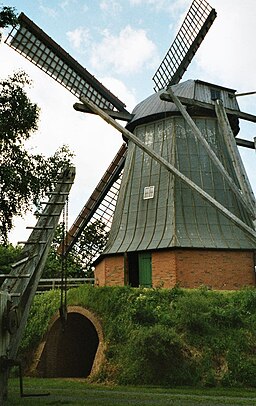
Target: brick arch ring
point(77, 352)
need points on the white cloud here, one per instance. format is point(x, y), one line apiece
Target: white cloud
point(166, 5)
point(110, 6)
point(64, 4)
point(49, 11)
point(79, 37)
point(127, 53)
point(226, 55)
point(119, 89)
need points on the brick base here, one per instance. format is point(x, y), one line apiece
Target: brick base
point(187, 268)
point(216, 269)
point(110, 271)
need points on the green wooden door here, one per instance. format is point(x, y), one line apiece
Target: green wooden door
point(145, 269)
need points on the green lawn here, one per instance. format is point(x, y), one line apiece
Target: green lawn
point(78, 392)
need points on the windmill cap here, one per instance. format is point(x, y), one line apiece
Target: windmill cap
point(153, 108)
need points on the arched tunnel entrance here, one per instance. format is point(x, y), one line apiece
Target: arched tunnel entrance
point(75, 352)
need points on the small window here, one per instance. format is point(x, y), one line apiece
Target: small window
point(149, 192)
point(215, 94)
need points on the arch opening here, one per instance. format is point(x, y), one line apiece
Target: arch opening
point(70, 353)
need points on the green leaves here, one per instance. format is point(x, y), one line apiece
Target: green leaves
point(8, 256)
point(18, 116)
point(8, 16)
point(24, 177)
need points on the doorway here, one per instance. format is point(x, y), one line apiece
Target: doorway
point(139, 269)
point(76, 352)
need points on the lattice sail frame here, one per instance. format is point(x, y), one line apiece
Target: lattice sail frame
point(100, 208)
point(104, 214)
point(35, 45)
point(192, 32)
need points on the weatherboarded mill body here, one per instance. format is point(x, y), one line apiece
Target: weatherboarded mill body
point(164, 233)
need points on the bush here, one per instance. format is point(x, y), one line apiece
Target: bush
point(43, 308)
point(193, 313)
point(153, 355)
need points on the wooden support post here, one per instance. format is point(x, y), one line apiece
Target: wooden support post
point(210, 152)
point(4, 346)
point(234, 154)
point(130, 136)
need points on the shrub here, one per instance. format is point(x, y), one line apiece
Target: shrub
point(43, 308)
point(153, 355)
point(193, 313)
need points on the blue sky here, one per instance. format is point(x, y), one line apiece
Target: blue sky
point(122, 44)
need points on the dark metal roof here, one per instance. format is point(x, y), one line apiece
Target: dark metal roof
point(154, 108)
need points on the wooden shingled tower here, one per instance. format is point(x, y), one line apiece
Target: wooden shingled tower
point(176, 197)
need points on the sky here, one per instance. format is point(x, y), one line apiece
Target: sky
point(122, 43)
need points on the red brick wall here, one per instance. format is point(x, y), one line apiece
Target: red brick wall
point(216, 269)
point(110, 271)
point(164, 269)
point(187, 268)
point(100, 274)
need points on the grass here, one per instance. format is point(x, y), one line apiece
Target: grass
point(165, 337)
point(79, 392)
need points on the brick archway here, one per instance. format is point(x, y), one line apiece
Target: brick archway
point(77, 352)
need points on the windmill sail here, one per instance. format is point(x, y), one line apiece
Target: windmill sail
point(192, 32)
point(35, 45)
point(100, 206)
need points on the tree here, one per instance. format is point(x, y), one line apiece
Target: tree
point(79, 260)
point(53, 266)
point(8, 16)
point(24, 178)
point(8, 256)
point(90, 244)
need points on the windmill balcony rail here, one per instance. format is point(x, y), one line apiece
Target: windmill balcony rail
point(55, 283)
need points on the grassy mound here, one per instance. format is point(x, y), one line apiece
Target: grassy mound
point(165, 336)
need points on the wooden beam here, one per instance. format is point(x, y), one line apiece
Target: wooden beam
point(195, 103)
point(234, 154)
point(244, 143)
point(210, 152)
point(130, 136)
point(242, 94)
point(119, 115)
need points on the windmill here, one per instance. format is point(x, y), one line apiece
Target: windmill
point(183, 207)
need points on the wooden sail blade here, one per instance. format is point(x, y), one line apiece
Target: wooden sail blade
point(191, 34)
point(35, 45)
point(100, 205)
